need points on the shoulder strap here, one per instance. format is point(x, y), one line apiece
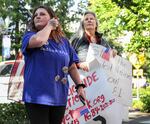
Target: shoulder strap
point(105, 43)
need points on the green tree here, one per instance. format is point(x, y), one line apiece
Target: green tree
point(116, 16)
point(108, 17)
point(62, 10)
point(19, 15)
point(136, 18)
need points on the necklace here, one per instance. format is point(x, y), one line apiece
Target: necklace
point(93, 40)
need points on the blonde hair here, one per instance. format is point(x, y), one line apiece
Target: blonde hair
point(81, 29)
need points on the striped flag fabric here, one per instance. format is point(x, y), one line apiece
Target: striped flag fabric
point(15, 86)
point(106, 54)
point(78, 112)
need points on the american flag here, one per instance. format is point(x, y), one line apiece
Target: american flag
point(78, 112)
point(15, 86)
point(106, 54)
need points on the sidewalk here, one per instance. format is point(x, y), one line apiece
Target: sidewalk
point(138, 118)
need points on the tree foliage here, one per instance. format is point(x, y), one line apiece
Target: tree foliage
point(61, 7)
point(108, 15)
point(19, 13)
point(18, 16)
point(136, 18)
point(116, 16)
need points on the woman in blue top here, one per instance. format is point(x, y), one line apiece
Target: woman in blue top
point(49, 59)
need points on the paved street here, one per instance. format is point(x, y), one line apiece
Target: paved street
point(138, 118)
point(134, 118)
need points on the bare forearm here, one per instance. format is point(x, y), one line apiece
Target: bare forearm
point(76, 78)
point(40, 38)
point(74, 74)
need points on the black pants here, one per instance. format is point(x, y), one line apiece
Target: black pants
point(100, 118)
point(43, 114)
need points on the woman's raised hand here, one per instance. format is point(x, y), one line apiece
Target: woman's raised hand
point(53, 23)
point(83, 66)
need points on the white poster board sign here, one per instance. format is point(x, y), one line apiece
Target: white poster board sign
point(101, 82)
point(118, 71)
point(99, 97)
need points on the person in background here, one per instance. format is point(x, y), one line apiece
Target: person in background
point(49, 58)
point(88, 33)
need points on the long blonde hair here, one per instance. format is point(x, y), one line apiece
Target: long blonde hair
point(81, 29)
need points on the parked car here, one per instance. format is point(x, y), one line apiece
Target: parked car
point(6, 76)
point(5, 71)
point(5, 67)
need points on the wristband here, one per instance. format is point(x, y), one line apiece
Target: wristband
point(79, 85)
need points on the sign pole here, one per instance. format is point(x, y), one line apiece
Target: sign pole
point(137, 89)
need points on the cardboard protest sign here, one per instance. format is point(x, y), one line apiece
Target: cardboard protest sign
point(112, 115)
point(118, 71)
point(99, 97)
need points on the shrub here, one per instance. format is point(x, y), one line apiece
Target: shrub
point(145, 98)
point(13, 113)
point(137, 105)
point(143, 104)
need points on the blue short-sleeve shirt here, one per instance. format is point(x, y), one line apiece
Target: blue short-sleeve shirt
point(45, 71)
